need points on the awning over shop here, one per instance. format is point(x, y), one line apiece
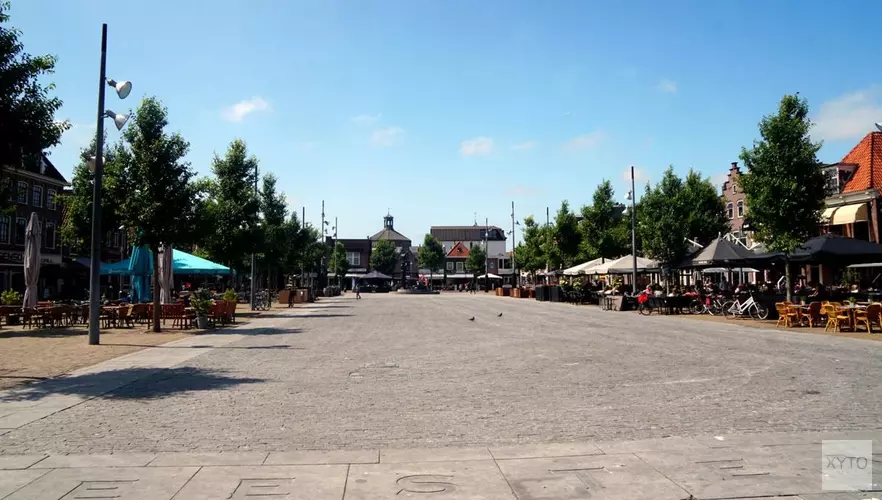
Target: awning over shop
point(846, 214)
point(183, 263)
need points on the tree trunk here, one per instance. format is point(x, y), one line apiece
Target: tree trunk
point(431, 279)
point(157, 307)
point(789, 290)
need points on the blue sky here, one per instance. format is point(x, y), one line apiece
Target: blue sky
point(440, 110)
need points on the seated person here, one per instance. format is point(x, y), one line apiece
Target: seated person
point(819, 292)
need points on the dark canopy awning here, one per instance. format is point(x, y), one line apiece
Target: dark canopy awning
point(719, 253)
point(832, 249)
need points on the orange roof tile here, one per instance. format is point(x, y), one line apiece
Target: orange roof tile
point(867, 155)
point(458, 250)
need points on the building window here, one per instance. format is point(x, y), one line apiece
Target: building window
point(50, 199)
point(459, 267)
point(114, 242)
point(23, 192)
point(729, 213)
point(504, 263)
point(734, 188)
point(354, 259)
point(740, 207)
point(4, 229)
point(450, 265)
point(49, 234)
point(37, 198)
point(20, 225)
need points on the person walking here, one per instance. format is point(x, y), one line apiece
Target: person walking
point(357, 292)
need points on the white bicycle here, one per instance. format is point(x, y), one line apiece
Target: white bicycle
point(749, 307)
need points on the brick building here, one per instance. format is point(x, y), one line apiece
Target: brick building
point(736, 207)
point(854, 185)
point(35, 187)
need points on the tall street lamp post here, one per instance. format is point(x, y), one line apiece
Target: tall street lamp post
point(253, 255)
point(122, 90)
point(633, 236)
point(514, 267)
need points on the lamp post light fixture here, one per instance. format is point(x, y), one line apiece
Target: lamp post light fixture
point(123, 89)
point(632, 196)
point(879, 126)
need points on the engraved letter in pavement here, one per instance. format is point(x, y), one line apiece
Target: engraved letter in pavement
point(100, 489)
point(264, 488)
point(426, 484)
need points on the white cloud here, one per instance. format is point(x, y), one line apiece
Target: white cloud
point(477, 146)
point(586, 141)
point(667, 86)
point(241, 109)
point(79, 135)
point(524, 191)
point(524, 146)
point(366, 119)
point(387, 137)
point(849, 116)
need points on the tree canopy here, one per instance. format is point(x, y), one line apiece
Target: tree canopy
point(477, 260)
point(340, 266)
point(235, 206)
point(605, 230)
point(383, 257)
point(529, 255)
point(784, 181)
point(27, 108)
point(431, 254)
point(161, 202)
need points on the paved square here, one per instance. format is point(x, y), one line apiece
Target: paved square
point(126, 483)
point(399, 372)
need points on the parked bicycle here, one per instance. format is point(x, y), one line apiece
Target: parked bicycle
point(263, 300)
point(713, 304)
point(749, 307)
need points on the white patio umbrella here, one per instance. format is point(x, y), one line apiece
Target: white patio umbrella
point(622, 265)
point(490, 276)
point(33, 237)
point(580, 269)
point(166, 273)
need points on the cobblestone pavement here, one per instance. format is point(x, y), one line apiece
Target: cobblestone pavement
point(393, 371)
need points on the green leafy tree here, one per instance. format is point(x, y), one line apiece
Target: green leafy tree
point(431, 255)
point(339, 263)
point(383, 257)
point(661, 220)
point(530, 255)
point(235, 206)
point(784, 182)
point(76, 228)
point(162, 206)
point(476, 263)
point(565, 237)
point(27, 109)
point(275, 240)
point(703, 209)
point(605, 230)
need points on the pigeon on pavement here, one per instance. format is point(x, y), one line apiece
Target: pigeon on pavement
point(472, 318)
point(499, 315)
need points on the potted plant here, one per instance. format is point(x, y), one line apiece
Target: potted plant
point(201, 303)
point(11, 298)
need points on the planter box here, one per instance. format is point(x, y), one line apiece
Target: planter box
point(516, 292)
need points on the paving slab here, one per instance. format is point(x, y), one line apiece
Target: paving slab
point(12, 480)
point(841, 496)
point(299, 482)
point(544, 450)
point(25, 416)
point(309, 457)
point(651, 445)
point(108, 460)
point(596, 477)
point(205, 459)
point(472, 480)
point(127, 483)
point(732, 473)
point(434, 455)
point(8, 462)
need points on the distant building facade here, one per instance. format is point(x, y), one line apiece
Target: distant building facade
point(854, 185)
point(35, 188)
point(498, 261)
point(735, 207)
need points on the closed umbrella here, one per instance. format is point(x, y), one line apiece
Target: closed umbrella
point(166, 273)
point(33, 235)
point(141, 269)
